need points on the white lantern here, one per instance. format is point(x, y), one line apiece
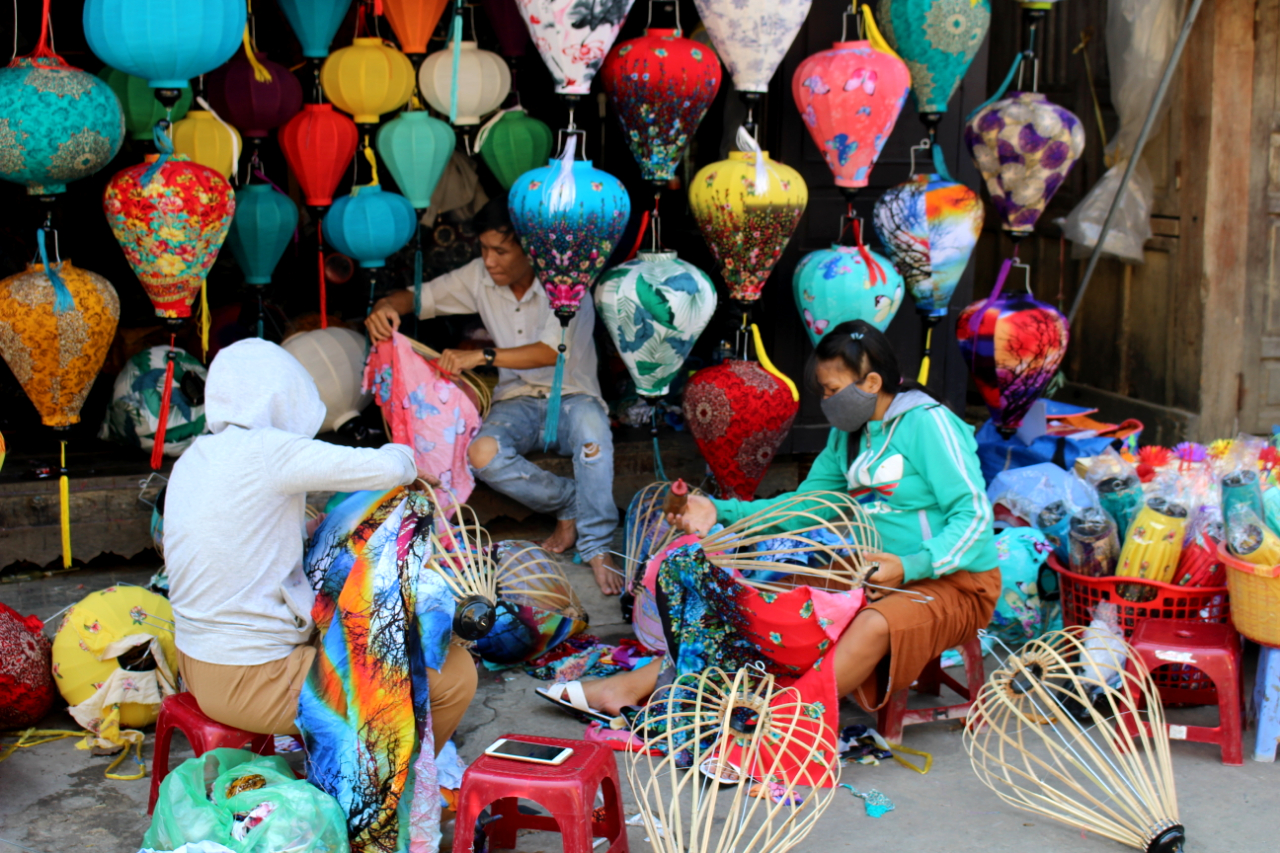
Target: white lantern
point(483, 82)
point(335, 359)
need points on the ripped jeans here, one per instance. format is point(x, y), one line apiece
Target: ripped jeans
point(516, 424)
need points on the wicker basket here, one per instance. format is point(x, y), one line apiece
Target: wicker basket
point(1255, 594)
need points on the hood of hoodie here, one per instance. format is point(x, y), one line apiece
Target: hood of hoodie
point(905, 402)
point(255, 384)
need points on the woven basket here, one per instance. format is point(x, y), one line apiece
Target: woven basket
point(1255, 598)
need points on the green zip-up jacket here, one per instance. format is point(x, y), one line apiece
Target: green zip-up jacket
point(917, 478)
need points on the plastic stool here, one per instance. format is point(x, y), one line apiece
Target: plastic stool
point(894, 716)
point(180, 711)
point(1213, 649)
point(567, 791)
point(1266, 701)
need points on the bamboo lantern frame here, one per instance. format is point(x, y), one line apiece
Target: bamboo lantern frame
point(684, 809)
point(529, 574)
point(1106, 768)
point(461, 555)
point(650, 522)
point(472, 380)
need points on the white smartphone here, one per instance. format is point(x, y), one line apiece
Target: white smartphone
point(522, 750)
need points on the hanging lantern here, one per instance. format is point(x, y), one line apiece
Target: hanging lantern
point(315, 23)
point(26, 680)
point(416, 148)
point(573, 37)
point(166, 42)
point(335, 359)
point(850, 97)
point(747, 214)
point(133, 418)
point(318, 144)
point(367, 79)
point(752, 36)
point(483, 82)
point(139, 104)
point(512, 144)
point(661, 85)
point(508, 26)
point(207, 141)
point(654, 308)
point(370, 224)
point(413, 22)
point(845, 283)
point(1024, 145)
point(1013, 345)
point(937, 39)
point(254, 106)
point(58, 327)
point(264, 222)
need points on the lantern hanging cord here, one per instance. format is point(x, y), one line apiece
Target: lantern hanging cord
point(62, 299)
point(747, 142)
point(658, 470)
point(231, 132)
point(875, 272)
point(457, 59)
point(165, 146)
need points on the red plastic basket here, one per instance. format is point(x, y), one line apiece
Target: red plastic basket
point(1178, 684)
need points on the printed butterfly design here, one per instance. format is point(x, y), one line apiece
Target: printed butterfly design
point(444, 389)
point(417, 400)
point(818, 327)
point(810, 117)
point(843, 146)
point(421, 445)
point(865, 78)
point(451, 432)
point(817, 85)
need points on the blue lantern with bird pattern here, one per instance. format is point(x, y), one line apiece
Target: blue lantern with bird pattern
point(845, 283)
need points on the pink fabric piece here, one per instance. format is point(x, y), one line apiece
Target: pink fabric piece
point(425, 411)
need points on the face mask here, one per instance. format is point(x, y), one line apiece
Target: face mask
point(850, 409)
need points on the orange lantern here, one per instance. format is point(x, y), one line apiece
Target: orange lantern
point(413, 22)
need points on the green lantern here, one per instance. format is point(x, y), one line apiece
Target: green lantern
point(416, 148)
point(138, 100)
point(264, 222)
point(513, 144)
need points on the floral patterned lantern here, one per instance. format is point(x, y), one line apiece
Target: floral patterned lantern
point(573, 37)
point(845, 283)
point(937, 39)
point(752, 36)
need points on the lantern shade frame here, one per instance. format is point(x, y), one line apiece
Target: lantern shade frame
point(416, 149)
point(264, 222)
point(319, 143)
point(367, 79)
point(484, 81)
point(139, 105)
point(370, 225)
point(181, 39)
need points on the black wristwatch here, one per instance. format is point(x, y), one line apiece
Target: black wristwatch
point(489, 355)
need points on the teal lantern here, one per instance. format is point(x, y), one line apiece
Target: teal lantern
point(845, 283)
point(513, 144)
point(416, 148)
point(265, 219)
point(370, 225)
point(141, 109)
point(166, 42)
point(315, 23)
point(937, 39)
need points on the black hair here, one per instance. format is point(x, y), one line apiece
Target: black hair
point(494, 216)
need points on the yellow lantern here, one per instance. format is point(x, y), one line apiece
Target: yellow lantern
point(367, 79)
point(208, 141)
point(483, 83)
point(747, 214)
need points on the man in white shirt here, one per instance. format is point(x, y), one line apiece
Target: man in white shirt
point(501, 287)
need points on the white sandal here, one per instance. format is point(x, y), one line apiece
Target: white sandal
point(568, 695)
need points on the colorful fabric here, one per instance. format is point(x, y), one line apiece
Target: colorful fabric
point(384, 619)
point(427, 412)
point(845, 283)
point(585, 656)
point(752, 36)
point(937, 39)
point(26, 678)
point(1021, 613)
point(134, 413)
point(573, 37)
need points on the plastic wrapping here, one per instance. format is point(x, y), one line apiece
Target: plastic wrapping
point(1094, 546)
point(1104, 647)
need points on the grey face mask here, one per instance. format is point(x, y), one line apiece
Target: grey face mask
point(850, 409)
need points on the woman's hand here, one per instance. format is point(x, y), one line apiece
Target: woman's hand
point(889, 573)
point(382, 321)
point(698, 517)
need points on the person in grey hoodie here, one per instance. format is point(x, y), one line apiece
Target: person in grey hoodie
point(235, 526)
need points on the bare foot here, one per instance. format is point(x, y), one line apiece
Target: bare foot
point(563, 537)
point(611, 694)
point(608, 577)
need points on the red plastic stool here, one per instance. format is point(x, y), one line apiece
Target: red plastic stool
point(181, 712)
point(894, 716)
point(568, 791)
point(1214, 649)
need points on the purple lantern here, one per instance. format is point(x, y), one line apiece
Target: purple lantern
point(252, 105)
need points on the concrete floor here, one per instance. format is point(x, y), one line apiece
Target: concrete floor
point(54, 799)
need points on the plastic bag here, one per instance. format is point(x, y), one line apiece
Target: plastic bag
point(1104, 652)
point(301, 818)
point(1131, 227)
point(1094, 547)
point(1120, 491)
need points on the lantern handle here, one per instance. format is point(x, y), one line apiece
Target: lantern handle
point(562, 138)
point(676, 4)
point(852, 11)
point(923, 145)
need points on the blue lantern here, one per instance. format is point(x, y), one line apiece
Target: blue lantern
point(315, 22)
point(370, 225)
point(260, 232)
point(166, 42)
point(416, 148)
point(845, 283)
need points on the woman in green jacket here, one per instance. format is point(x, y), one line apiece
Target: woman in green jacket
point(913, 466)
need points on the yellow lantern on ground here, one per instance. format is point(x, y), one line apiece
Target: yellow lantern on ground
point(208, 141)
point(483, 83)
point(367, 79)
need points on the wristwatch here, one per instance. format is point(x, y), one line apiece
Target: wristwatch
point(489, 355)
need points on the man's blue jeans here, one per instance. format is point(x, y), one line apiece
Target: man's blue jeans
point(516, 424)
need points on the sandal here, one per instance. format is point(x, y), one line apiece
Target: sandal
point(568, 696)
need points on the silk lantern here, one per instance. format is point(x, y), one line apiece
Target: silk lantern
point(573, 37)
point(318, 144)
point(416, 149)
point(1024, 145)
point(166, 42)
point(845, 283)
point(367, 79)
point(264, 222)
point(747, 207)
point(654, 308)
point(937, 39)
point(207, 141)
point(315, 23)
point(508, 26)
point(661, 85)
point(139, 104)
point(413, 22)
point(752, 36)
point(850, 97)
point(335, 359)
point(512, 143)
point(483, 82)
point(254, 106)
point(1013, 344)
point(370, 225)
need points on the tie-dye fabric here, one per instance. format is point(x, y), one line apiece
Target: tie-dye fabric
point(384, 618)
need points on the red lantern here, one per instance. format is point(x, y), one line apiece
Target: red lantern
point(318, 144)
point(661, 85)
point(739, 413)
point(513, 35)
point(252, 105)
point(850, 97)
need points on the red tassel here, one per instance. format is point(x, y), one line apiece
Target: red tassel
point(324, 306)
point(644, 226)
point(157, 451)
point(874, 271)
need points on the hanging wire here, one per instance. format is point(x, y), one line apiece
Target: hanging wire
point(14, 55)
point(922, 145)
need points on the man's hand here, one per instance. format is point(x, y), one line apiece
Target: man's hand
point(454, 361)
point(889, 573)
point(699, 516)
point(382, 321)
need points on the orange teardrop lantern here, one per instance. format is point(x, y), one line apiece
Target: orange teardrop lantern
point(413, 22)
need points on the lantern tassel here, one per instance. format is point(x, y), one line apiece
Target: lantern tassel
point(939, 161)
point(747, 142)
point(563, 190)
point(165, 146)
point(483, 133)
point(875, 272)
point(205, 320)
point(923, 377)
point(260, 72)
point(658, 470)
point(457, 58)
point(551, 428)
point(166, 397)
point(64, 508)
point(873, 32)
point(324, 301)
point(62, 299)
point(768, 365)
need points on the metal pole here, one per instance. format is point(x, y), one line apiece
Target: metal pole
point(1137, 152)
